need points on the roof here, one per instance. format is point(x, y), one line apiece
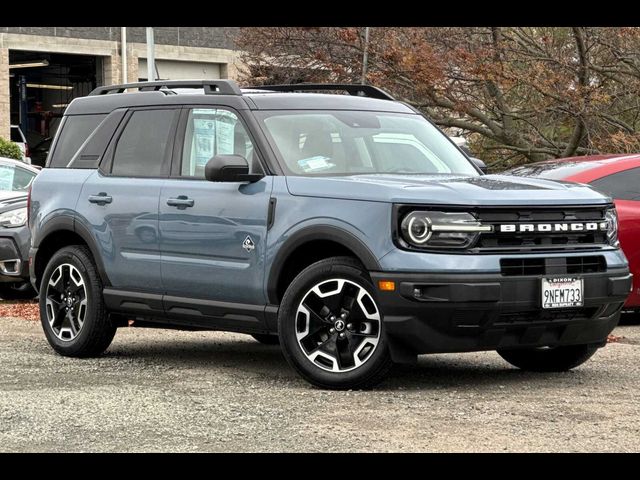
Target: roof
point(323, 101)
point(104, 100)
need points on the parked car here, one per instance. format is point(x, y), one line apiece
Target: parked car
point(15, 179)
point(615, 175)
point(18, 137)
point(348, 228)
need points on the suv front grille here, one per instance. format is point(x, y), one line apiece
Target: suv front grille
point(515, 267)
point(540, 241)
point(533, 316)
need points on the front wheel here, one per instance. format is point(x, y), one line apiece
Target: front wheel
point(72, 309)
point(549, 359)
point(330, 327)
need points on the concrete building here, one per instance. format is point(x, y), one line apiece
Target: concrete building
point(43, 68)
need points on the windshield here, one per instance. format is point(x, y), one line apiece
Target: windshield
point(350, 142)
point(14, 178)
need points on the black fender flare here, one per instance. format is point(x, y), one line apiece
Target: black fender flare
point(70, 224)
point(314, 233)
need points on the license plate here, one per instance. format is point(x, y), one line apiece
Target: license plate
point(562, 292)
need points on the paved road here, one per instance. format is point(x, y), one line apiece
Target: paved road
point(160, 390)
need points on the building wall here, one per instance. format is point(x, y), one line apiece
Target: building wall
point(208, 50)
point(208, 37)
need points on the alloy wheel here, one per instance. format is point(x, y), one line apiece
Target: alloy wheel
point(338, 325)
point(66, 302)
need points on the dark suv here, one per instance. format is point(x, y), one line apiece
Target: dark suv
point(347, 228)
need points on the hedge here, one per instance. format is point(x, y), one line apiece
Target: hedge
point(10, 150)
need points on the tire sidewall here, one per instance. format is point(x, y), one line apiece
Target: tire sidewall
point(298, 288)
point(74, 346)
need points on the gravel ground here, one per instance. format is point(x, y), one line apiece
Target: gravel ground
point(160, 390)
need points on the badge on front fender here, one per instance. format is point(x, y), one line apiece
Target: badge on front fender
point(248, 244)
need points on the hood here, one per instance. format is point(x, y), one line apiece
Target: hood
point(446, 189)
point(10, 200)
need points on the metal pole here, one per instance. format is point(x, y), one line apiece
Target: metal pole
point(151, 56)
point(123, 53)
point(365, 56)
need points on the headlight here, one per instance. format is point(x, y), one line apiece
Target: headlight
point(14, 218)
point(426, 229)
point(611, 217)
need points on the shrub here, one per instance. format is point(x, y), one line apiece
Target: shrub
point(10, 150)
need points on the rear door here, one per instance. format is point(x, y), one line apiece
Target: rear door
point(119, 201)
point(212, 234)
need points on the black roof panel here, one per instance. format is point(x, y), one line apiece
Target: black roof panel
point(261, 100)
point(323, 101)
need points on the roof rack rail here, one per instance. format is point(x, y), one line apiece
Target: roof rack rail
point(351, 89)
point(224, 87)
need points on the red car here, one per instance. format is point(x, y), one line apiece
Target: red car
point(616, 175)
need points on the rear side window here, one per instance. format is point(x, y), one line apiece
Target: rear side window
point(623, 185)
point(75, 131)
point(142, 148)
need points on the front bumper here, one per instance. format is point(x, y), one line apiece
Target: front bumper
point(14, 255)
point(432, 313)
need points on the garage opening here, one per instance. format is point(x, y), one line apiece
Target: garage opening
point(41, 86)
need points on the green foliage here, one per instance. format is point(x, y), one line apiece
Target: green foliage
point(10, 150)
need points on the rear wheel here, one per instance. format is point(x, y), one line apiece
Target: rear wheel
point(547, 359)
point(72, 309)
point(330, 327)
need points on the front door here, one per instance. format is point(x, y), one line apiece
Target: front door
point(212, 235)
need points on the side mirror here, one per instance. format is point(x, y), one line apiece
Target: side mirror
point(229, 168)
point(480, 164)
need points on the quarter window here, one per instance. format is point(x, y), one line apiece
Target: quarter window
point(74, 133)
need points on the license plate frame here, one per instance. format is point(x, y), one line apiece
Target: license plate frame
point(562, 292)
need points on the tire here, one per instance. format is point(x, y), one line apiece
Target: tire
point(557, 359)
point(73, 338)
point(358, 360)
point(266, 339)
point(17, 291)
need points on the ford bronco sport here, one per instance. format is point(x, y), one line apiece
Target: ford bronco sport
point(346, 228)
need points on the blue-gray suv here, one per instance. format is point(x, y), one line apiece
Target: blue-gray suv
point(345, 227)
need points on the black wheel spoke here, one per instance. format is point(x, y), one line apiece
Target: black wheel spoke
point(345, 349)
point(348, 297)
point(314, 340)
point(330, 348)
point(317, 317)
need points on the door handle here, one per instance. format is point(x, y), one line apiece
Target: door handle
point(181, 201)
point(101, 199)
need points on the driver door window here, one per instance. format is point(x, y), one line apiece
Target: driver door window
point(214, 131)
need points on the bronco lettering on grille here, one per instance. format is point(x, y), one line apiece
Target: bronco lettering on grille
point(553, 227)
